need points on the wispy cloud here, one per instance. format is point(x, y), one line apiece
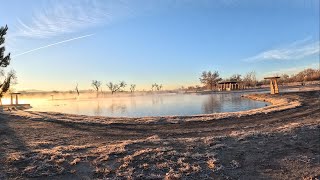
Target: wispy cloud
point(295, 50)
point(53, 44)
point(291, 70)
point(63, 17)
point(56, 18)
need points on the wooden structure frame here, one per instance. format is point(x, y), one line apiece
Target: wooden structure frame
point(274, 89)
point(14, 105)
point(228, 86)
point(17, 101)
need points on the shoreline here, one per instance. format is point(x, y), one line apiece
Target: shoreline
point(278, 103)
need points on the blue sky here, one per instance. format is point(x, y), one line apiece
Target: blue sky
point(56, 44)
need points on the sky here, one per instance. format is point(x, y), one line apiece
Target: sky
point(55, 44)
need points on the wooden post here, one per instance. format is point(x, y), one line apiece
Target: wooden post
point(274, 89)
point(271, 87)
point(11, 99)
point(16, 98)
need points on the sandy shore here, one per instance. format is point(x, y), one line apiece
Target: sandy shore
point(281, 141)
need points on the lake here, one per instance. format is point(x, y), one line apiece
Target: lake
point(145, 105)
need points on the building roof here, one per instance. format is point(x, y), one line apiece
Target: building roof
point(274, 77)
point(228, 82)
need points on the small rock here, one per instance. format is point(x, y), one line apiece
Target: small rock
point(234, 164)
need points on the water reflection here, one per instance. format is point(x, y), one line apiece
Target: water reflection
point(133, 103)
point(157, 99)
point(117, 108)
point(212, 104)
point(98, 109)
point(146, 105)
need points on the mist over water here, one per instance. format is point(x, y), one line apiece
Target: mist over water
point(166, 104)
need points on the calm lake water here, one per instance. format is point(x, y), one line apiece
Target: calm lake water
point(147, 105)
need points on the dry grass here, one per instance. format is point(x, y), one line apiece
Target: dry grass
point(121, 159)
point(231, 148)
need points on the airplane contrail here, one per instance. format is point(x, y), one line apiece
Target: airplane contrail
point(53, 44)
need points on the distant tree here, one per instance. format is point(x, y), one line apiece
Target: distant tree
point(210, 79)
point(307, 75)
point(284, 78)
point(96, 85)
point(193, 88)
point(77, 90)
point(263, 82)
point(198, 88)
point(154, 86)
point(4, 62)
point(250, 79)
point(190, 88)
point(132, 88)
point(116, 87)
point(236, 77)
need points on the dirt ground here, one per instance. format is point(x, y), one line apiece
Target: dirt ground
point(278, 145)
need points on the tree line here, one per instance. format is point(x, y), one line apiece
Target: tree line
point(302, 76)
point(113, 87)
point(119, 87)
point(210, 79)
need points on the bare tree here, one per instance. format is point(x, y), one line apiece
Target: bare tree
point(210, 79)
point(116, 87)
point(250, 79)
point(157, 87)
point(284, 78)
point(96, 85)
point(5, 86)
point(198, 88)
point(236, 77)
point(77, 90)
point(307, 75)
point(132, 88)
point(154, 86)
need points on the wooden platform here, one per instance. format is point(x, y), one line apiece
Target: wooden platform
point(15, 106)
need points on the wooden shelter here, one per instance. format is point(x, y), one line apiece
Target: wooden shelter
point(274, 89)
point(16, 94)
point(14, 105)
point(228, 86)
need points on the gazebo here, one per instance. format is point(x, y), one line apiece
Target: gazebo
point(228, 86)
point(273, 84)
